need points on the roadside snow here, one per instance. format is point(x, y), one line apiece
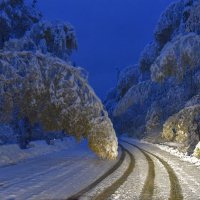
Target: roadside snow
point(55, 175)
point(179, 154)
point(12, 154)
point(172, 149)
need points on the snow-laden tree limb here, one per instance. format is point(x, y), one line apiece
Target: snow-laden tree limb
point(48, 90)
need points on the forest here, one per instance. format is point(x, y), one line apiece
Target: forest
point(59, 140)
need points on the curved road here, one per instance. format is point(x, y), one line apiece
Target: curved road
point(142, 172)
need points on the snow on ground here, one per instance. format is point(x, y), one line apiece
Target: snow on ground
point(54, 175)
point(12, 154)
point(182, 156)
point(172, 149)
point(187, 173)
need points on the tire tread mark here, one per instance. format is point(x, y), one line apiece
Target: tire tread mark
point(175, 188)
point(175, 191)
point(100, 179)
point(148, 188)
point(34, 176)
point(111, 189)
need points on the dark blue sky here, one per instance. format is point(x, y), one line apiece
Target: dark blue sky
point(111, 33)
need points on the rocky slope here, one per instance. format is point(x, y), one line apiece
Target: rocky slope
point(167, 82)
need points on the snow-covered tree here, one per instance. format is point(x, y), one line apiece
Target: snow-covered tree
point(169, 23)
point(22, 28)
point(136, 95)
point(15, 19)
point(173, 59)
point(36, 85)
point(154, 117)
point(57, 38)
point(127, 78)
point(48, 90)
point(177, 57)
point(182, 127)
point(192, 23)
point(148, 56)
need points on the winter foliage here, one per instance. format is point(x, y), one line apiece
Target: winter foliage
point(38, 84)
point(183, 128)
point(192, 18)
point(137, 94)
point(40, 88)
point(177, 57)
point(58, 39)
point(169, 23)
point(197, 151)
point(15, 19)
point(168, 87)
point(127, 77)
point(148, 56)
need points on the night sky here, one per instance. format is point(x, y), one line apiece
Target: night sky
point(111, 33)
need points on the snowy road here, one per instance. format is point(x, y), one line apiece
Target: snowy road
point(142, 172)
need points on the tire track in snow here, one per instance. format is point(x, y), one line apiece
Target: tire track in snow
point(110, 190)
point(132, 187)
point(148, 188)
point(26, 189)
point(104, 176)
point(175, 191)
point(26, 179)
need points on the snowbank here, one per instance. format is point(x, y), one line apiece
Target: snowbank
point(12, 154)
point(182, 156)
point(172, 149)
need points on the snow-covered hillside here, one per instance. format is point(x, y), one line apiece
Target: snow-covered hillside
point(168, 82)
